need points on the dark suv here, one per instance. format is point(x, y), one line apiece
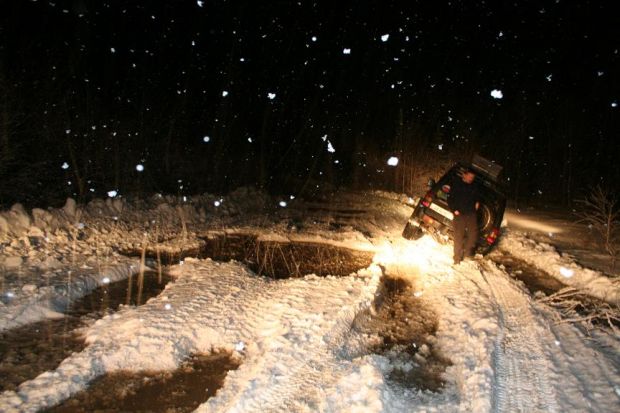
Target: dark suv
point(432, 215)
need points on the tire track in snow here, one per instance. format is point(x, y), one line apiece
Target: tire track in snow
point(522, 371)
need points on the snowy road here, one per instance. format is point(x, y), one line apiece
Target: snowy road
point(298, 348)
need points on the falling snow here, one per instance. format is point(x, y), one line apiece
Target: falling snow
point(497, 94)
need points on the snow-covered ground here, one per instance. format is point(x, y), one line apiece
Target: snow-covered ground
point(294, 337)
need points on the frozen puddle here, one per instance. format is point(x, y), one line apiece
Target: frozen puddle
point(26, 352)
point(271, 258)
point(402, 329)
point(181, 390)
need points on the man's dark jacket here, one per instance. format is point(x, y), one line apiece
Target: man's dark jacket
point(463, 196)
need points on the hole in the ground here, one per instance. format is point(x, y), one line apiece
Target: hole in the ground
point(272, 258)
point(534, 279)
point(181, 390)
point(27, 351)
point(404, 328)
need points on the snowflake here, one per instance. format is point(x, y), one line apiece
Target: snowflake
point(112, 193)
point(566, 272)
point(65, 165)
point(346, 51)
point(385, 37)
point(393, 161)
point(271, 96)
point(139, 167)
point(497, 94)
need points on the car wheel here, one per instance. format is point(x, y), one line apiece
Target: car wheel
point(412, 232)
point(486, 218)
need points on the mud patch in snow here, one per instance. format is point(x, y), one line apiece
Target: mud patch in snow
point(181, 390)
point(401, 327)
point(534, 279)
point(27, 351)
point(275, 259)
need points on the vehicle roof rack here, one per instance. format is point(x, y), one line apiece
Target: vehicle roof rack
point(487, 167)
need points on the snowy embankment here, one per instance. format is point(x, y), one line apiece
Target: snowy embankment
point(50, 257)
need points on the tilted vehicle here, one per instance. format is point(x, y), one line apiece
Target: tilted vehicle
point(433, 216)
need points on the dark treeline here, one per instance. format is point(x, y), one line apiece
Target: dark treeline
point(89, 90)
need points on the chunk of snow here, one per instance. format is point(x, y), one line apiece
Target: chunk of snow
point(167, 306)
point(65, 165)
point(113, 50)
point(240, 346)
point(206, 139)
point(282, 204)
point(224, 93)
point(314, 38)
point(393, 161)
point(139, 167)
point(346, 51)
point(112, 193)
point(385, 37)
point(497, 94)
point(614, 104)
point(566, 272)
point(330, 147)
point(200, 3)
point(217, 203)
point(271, 96)
point(106, 280)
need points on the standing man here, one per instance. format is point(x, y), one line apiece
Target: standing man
point(464, 202)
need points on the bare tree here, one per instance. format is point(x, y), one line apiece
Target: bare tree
point(601, 213)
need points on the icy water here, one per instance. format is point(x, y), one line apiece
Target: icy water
point(406, 328)
point(181, 390)
point(271, 258)
point(28, 351)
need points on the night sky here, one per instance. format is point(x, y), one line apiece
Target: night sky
point(193, 96)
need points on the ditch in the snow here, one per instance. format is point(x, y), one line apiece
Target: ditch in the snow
point(534, 279)
point(26, 352)
point(181, 390)
point(273, 259)
point(575, 306)
point(402, 328)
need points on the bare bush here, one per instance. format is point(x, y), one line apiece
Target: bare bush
point(601, 213)
point(576, 307)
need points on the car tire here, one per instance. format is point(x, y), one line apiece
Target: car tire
point(486, 217)
point(412, 232)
